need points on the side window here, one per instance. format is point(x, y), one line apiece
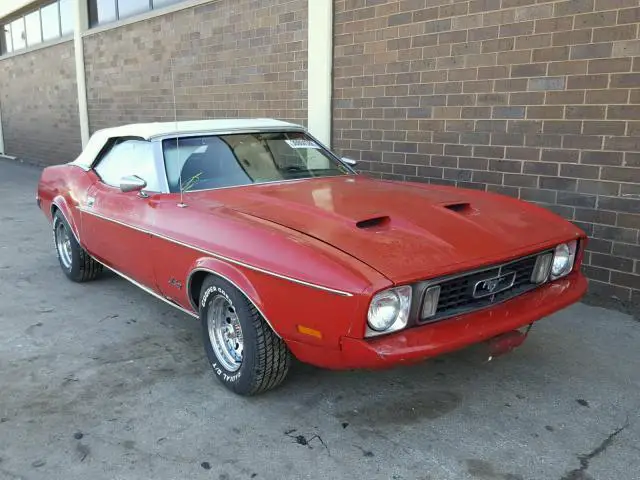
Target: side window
point(132, 157)
point(202, 163)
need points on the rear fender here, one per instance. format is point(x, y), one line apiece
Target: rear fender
point(231, 274)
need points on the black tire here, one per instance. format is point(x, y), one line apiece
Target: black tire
point(265, 358)
point(79, 266)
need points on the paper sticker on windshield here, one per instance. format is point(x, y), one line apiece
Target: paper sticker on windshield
point(302, 143)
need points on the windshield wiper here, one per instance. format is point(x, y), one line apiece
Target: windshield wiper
point(294, 168)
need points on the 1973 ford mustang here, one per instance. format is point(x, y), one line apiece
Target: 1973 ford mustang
point(281, 249)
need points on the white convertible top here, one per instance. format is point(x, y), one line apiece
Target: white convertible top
point(147, 131)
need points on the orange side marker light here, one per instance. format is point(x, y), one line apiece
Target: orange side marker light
point(309, 331)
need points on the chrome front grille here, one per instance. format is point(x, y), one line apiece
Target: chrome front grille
point(457, 293)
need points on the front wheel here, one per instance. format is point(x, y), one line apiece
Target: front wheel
point(74, 260)
point(245, 353)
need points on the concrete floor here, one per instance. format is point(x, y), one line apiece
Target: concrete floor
point(101, 381)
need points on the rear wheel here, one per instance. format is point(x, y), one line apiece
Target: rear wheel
point(245, 353)
point(74, 260)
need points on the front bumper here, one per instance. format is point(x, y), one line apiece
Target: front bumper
point(419, 343)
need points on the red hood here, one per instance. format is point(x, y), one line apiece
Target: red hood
point(421, 230)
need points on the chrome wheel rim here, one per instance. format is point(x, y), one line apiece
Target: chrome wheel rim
point(63, 245)
point(225, 333)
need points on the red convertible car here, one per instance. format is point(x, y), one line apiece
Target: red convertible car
point(281, 249)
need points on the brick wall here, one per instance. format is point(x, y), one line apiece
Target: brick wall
point(233, 58)
point(530, 98)
point(38, 97)
point(535, 99)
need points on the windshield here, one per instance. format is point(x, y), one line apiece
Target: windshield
point(216, 161)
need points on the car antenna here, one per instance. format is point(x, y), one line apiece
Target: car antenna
point(175, 120)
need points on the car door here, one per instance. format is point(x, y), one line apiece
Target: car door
point(189, 163)
point(116, 225)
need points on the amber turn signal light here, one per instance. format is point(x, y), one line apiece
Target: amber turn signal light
point(309, 331)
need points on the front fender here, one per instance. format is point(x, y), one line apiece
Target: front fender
point(228, 272)
point(60, 203)
point(296, 313)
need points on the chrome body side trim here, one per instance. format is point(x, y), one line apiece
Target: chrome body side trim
point(221, 257)
point(213, 272)
point(148, 290)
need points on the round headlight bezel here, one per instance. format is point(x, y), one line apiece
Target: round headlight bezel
point(376, 318)
point(402, 298)
point(566, 252)
point(561, 260)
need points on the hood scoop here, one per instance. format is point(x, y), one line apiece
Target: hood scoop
point(374, 222)
point(460, 207)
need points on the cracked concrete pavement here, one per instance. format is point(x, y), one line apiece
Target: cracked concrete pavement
point(103, 381)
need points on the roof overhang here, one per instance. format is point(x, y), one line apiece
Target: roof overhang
point(7, 8)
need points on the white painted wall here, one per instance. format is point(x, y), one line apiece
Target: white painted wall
point(320, 69)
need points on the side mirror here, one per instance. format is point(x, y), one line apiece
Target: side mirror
point(349, 161)
point(132, 183)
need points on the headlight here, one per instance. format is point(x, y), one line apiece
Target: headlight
point(389, 311)
point(563, 259)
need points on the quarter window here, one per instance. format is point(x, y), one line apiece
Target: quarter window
point(132, 157)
